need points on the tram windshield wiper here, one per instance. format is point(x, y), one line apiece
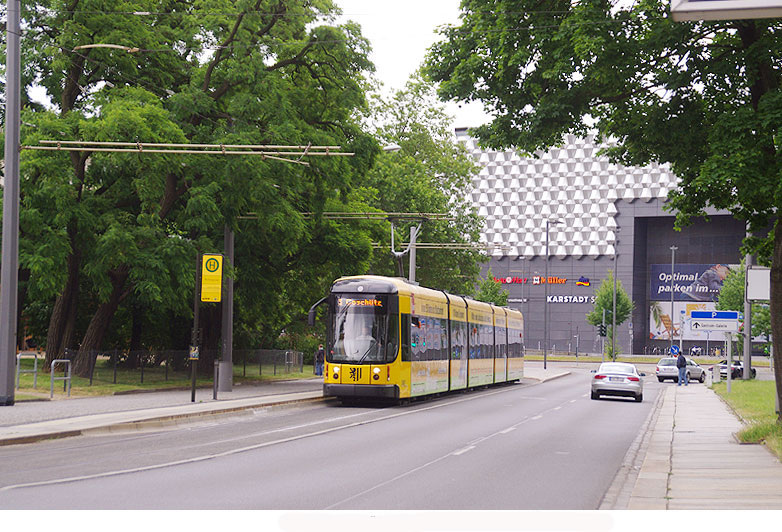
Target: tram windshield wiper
point(371, 345)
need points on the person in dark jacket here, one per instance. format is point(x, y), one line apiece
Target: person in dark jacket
point(319, 355)
point(681, 364)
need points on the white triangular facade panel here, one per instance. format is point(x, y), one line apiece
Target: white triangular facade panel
point(516, 195)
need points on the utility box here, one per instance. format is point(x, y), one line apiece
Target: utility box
point(715, 374)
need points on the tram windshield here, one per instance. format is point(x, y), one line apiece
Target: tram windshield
point(360, 326)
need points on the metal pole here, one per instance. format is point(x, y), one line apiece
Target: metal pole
point(9, 271)
point(613, 312)
point(413, 236)
point(194, 334)
point(729, 341)
point(673, 255)
point(545, 304)
point(603, 340)
point(225, 383)
point(747, 321)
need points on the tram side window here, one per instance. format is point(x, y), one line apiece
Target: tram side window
point(406, 337)
point(417, 339)
point(501, 340)
point(458, 339)
point(487, 341)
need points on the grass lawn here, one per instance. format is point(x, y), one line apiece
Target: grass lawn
point(753, 400)
point(154, 379)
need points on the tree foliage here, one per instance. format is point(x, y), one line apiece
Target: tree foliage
point(429, 173)
point(702, 96)
point(604, 301)
point(491, 291)
point(102, 232)
point(732, 298)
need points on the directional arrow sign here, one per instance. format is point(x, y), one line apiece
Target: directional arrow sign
point(714, 325)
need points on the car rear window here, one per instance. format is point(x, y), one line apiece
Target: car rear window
point(615, 368)
point(667, 362)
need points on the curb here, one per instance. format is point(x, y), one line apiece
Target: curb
point(152, 421)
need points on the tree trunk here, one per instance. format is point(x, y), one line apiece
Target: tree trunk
point(99, 324)
point(62, 322)
point(776, 313)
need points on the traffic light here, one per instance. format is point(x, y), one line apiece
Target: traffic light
point(601, 329)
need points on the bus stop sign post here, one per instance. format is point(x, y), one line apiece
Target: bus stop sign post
point(194, 333)
point(208, 287)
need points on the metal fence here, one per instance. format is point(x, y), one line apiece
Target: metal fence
point(147, 366)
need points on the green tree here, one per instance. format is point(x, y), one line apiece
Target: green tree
point(104, 230)
point(604, 301)
point(430, 173)
point(491, 291)
point(702, 96)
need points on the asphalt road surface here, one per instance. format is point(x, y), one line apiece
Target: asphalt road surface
point(522, 446)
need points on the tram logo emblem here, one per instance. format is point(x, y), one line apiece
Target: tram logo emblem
point(355, 374)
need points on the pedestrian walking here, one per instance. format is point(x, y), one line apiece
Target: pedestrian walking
point(319, 356)
point(681, 364)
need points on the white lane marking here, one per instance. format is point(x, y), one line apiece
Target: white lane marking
point(556, 408)
point(261, 445)
point(509, 429)
point(573, 400)
point(464, 450)
point(537, 417)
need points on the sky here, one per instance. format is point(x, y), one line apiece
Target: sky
point(400, 33)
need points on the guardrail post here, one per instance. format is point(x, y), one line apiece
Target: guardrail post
point(34, 371)
point(66, 384)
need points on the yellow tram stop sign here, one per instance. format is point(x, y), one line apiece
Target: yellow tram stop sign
point(211, 278)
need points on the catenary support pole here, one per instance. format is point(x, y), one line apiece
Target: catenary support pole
point(226, 360)
point(9, 271)
point(413, 236)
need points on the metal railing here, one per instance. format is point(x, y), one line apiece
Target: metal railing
point(66, 379)
point(19, 369)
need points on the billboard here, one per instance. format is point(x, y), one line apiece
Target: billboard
point(689, 282)
point(664, 324)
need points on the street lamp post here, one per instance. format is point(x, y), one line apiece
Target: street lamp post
point(673, 257)
point(613, 312)
point(549, 222)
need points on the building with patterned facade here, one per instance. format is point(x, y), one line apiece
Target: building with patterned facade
point(610, 217)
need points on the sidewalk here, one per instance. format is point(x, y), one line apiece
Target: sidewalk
point(692, 461)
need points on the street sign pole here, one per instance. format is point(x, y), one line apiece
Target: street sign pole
point(729, 341)
point(194, 332)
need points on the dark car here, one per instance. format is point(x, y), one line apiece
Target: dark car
point(737, 371)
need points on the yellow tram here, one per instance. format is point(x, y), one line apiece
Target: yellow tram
point(389, 339)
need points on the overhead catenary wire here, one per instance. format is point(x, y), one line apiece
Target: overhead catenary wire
point(274, 152)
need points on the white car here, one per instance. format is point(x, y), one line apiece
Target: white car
point(618, 378)
point(666, 369)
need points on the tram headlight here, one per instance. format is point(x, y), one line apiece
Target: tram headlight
point(376, 372)
point(336, 372)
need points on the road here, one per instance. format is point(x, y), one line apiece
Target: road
point(523, 446)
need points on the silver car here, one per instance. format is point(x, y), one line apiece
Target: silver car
point(618, 378)
point(666, 369)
